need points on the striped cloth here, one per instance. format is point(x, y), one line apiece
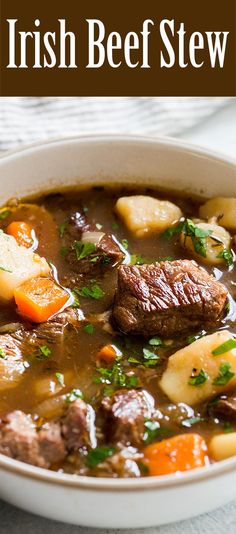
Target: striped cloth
point(27, 120)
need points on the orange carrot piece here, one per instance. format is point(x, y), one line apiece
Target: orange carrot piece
point(107, 354)
point(180, 453)
point(22, 232)
point(39, 298)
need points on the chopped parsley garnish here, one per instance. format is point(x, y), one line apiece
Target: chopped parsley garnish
point(154, 431)
point(224, 375)
point(166, 258)
point(94, 291)
point(224, 347)
point(73, 395)
point(99, 226)
point(62, 229)
point(5, 269)
point(125, 244)
point(233, 283)
point(60, 378)
point(44, 352)
point(136, 259)
point(115, 376)
point(98, 455)
point(64, 251)
point(3, 354)
point(150, 358)
point(4, 214)
point(115, 226)
point(155, 341)
point(197, 380)
point(83, 250)
point(227, 256)
point(88, 328)
point(191, 339)
point(189, 229)
point(191, 421)
point(85, 209)
point(76, 303)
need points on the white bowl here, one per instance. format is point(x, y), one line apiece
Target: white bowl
point(102, 502)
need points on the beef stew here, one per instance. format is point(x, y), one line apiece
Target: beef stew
point(117, 331)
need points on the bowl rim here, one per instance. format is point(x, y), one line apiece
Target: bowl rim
point(19, 468)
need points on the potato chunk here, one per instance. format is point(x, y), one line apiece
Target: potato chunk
point(223, 446)
point(196, 359)
point(218, 240)
point(222, 208)
point(144, 215)
point(17, 264)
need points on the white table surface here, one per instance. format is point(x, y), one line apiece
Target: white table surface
point(217, 133)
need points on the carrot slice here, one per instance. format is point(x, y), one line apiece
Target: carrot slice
point(39, 298)
point(107, 353)
point(180, 453)
point(22, 232)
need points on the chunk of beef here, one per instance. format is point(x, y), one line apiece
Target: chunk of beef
point(78, 425)
point(125, 415)
point(51, 444)
point(18, 439)
point(224, 408)
point(78, 224)
point(167, 298)
point(107, 254)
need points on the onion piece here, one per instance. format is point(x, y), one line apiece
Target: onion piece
point(92, 237)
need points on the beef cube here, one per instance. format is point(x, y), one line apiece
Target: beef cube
point(224, 408)
point(18, 439)
point(78, 425)
point(125, 415)
point(51, 444)
point(106, 255)
point(78, 224)
point(167, 298)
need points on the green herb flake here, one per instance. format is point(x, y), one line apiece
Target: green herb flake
point(224, 347)
point(227, 256)
point(5, 269)
point(125, 244)
point(148, 355)
point(224, 375)
point(83, 250)
point(44, 352)
point(64, 251)
point(99, 226)
point(189, 229)
point(153, 431)
point(94, 291)
point(98, 455)
point(115, 376)
point(62, 229)
point(155, 341)
point(115, 226)
point(74, 395)
point(3, 354)
point(89, 328)
point(136, 259)
point(198, 380)
point(191, 339)
point(4, 214)
point(188, 423)
point(76, 303)
point(60, 378)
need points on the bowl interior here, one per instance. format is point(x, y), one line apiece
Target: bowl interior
point(115, 160)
